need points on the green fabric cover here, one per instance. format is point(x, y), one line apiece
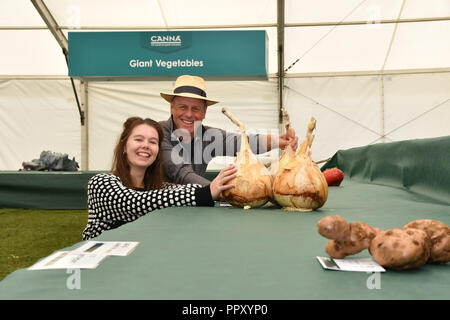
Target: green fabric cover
point(420, 166)
point(44, 190)
point(49, 190)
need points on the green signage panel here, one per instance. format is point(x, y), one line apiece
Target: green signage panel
point(146, 55)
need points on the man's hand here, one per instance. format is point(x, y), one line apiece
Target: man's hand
point(283, 140)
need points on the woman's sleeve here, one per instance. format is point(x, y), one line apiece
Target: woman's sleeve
point(111, 204)
point(109, 197)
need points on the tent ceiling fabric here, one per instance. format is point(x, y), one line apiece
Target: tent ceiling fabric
point(162, 13)
point(349, 113)
point(31, 52)
point(365, 78)
point(302, 11)
point(18, 13)
point(131, 13)
point(334, 48)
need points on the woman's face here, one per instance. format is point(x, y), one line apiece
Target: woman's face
point(142, 146)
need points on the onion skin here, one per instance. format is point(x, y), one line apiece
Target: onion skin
point(253, 184)
point(301, 184)
point(251, 189)
point(287, 156)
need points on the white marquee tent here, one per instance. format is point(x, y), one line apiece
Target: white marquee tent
point(369, 71)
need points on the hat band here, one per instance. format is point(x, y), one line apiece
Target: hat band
point(190, 89)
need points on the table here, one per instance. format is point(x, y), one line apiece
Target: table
point(230, 253)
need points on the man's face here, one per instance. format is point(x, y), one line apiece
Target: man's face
point(188, 113)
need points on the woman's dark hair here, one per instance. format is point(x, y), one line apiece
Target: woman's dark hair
point(153, 178)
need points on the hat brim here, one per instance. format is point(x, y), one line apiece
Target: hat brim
point(169, 97)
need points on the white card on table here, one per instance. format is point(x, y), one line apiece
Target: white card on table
point(351, 264)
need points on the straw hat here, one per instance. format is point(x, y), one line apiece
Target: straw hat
point(190, 87)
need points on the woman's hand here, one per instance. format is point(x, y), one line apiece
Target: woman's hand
point(219, 184)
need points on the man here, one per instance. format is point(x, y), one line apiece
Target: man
point(188, 146)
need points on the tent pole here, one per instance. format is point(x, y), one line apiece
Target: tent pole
point(54, 28)
point(51, 23)
point(84, 127)
point(233, 26)
point(382, 109)
point(59, 36)
point(280, 51)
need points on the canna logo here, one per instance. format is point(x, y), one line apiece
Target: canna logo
point(166, 42)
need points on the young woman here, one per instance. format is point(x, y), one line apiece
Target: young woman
point(135, 185)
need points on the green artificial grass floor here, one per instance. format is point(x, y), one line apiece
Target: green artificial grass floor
point(28, 235)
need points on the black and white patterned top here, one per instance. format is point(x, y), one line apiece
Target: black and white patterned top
point(111, 204)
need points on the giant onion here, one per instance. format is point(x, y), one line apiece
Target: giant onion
point(253, 183)
point(299, 183)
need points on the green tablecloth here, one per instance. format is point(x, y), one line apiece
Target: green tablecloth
point(230, 253)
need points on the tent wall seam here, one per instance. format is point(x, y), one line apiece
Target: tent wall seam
point(271, 75)
point(419, 116)
point(382, 107)
point(332, 110)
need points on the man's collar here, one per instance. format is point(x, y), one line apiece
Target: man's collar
point(171, 124)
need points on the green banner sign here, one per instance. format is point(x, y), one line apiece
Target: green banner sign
point(147, 55)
